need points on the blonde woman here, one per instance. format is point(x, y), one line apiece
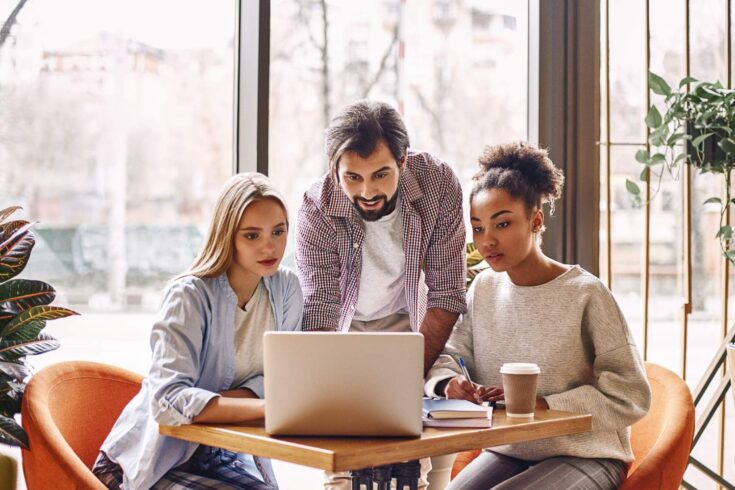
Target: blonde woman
point(207, 361)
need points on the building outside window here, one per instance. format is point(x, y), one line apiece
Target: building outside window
point(115, 134)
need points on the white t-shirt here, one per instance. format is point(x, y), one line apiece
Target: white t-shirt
point(250, 325)
point(382, 288)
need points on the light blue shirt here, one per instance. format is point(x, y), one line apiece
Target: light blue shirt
point(193, 349)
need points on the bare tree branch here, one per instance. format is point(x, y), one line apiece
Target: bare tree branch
point(433, 114)
point(304, 17)
point(325, 62)
point(10, 21)
point(323, 49)
point(383, 61)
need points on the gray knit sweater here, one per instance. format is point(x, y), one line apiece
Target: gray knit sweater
point(573, 329)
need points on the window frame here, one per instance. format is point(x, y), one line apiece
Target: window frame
point(562, 111)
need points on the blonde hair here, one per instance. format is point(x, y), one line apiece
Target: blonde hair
point(237, 193)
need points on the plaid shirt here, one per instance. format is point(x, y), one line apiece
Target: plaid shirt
point(330, 236)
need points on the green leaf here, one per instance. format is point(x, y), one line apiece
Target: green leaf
point(653, 119)
point(14, 252)
point(700, 139)
point(712, 90)
point(33, 314)
point(713, 200)
point(27, 332)
point(642, 156)
point(658, 85)
point(632, 187)
point(657, 159)
point(659, 136)
point(8, 408)
point(15, 370)
point(725, 232)
point(8, 228)
point(727, 145)
point(687, 80)
point(674, 138)
point(12, 350)
point(19, 295)
point(679, 158)
point(5, 213)
point(12, 433)
point(644, 174)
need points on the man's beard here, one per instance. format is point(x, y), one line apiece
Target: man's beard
point(388, 207)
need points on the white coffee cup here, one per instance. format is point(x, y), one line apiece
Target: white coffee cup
point(520, 380)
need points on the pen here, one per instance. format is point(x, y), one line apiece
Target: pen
point(464, 371)
point(467, 376)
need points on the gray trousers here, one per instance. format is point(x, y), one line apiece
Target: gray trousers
point(492, 470)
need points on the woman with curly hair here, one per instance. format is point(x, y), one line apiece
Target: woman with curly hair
point(528, 307)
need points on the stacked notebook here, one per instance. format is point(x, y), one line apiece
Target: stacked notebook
point(456, 413)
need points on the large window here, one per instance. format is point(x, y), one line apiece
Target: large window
point(456, 70)
point(116, 128)
point(663, 279)
point(115, 134)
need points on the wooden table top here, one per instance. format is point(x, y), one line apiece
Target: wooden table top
point(351, 453)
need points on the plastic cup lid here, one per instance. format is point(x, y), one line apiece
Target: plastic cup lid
point(520, 368)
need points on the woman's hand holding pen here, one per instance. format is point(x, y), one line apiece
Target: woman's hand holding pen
point(461, 388)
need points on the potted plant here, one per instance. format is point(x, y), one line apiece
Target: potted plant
point(695, 128)
point(24, 310)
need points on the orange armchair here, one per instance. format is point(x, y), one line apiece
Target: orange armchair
point(661, 440)
point(68, 410)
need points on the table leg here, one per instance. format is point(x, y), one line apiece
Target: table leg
point(360, 477)
point(382, 476)
point(407, 474)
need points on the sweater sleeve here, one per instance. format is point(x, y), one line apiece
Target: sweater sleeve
point(619, 394)
point(458, 345)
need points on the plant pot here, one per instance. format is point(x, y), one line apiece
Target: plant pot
point(711, 150)
point(8, 472)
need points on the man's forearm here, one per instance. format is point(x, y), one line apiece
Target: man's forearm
point(436, 328)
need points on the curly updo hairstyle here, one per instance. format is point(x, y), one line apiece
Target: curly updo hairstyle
point(523, 171)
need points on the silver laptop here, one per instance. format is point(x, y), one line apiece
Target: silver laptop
point(343, 384)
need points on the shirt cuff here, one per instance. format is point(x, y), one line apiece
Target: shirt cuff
point(186, 405)
point(436, 377)
point(452, 304)
point(320, 317)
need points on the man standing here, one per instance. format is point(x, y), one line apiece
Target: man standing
point(382, 223)
point(380, 239)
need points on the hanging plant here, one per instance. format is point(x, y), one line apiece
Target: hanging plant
point(695, 127)
point(24, 310)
